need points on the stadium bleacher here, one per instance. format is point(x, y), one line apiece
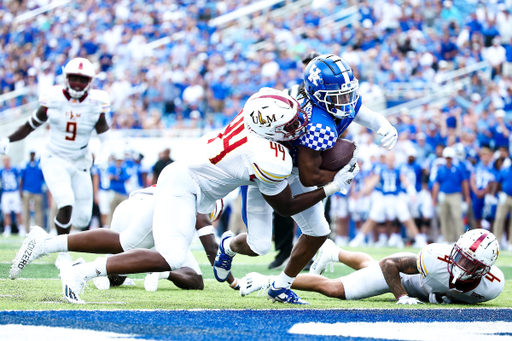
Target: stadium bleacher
point(185, 68)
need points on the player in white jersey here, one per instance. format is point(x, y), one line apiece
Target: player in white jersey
point(464, 273)
point(241, 155)
point(131, 229)
point(73, 112)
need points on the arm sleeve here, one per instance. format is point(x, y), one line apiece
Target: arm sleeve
point(370, 119)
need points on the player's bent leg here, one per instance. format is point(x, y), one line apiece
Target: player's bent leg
point(316, 283)
point(82, 189)
point(95, 241)
point(63, 219)
point(186, 278)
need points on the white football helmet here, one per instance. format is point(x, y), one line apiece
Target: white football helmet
point(473, 255)
point(78, 76)
point(274, 115)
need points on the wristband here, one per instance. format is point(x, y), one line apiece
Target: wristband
point(203, 231)
point(330, 189)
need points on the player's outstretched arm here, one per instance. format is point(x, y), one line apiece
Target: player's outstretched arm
point(35, 120)
point(391, 268)
point(378, 124)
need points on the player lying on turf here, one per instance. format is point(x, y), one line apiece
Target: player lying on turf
point(247, 152)
point(464, 273)
point(131, 228)
point(331, 101)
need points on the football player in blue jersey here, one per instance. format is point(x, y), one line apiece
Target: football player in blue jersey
point(391, 205)
point(331, 101)
point(483, 184)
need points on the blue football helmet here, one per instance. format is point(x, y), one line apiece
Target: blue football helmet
point(330, 84)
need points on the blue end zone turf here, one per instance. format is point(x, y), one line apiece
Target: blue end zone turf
point(240, 324)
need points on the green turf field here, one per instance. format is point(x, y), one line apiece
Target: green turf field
point(39, 287)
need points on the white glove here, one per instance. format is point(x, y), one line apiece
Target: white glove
point(4, 145)
point(102, 161)
point(390, 136)
point(408, 300)
point(344, 177)
point(353, 161)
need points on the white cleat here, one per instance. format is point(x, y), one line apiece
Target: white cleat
point(128, 282)
point(73, 282)
point(253, 282)
point(101, 283)
point(63, 259)
point(323, 259)
point(31, 249)
point(151, 281)
point(359, 240)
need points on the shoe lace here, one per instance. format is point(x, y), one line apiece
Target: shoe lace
point(291, 296)
point(329, 267)
point(224, 261)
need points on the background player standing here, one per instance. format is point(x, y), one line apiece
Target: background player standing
point(73, 112)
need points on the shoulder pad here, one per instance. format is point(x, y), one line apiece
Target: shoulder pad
point(429, 254)
point(101, 98)
point(496, 277)
point(52, 97)
point(272, 165)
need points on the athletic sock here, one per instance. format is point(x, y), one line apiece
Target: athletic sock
point(227, 247)
point(335, 255)
point(283, 281)
point(56, 244)
point(94, 269)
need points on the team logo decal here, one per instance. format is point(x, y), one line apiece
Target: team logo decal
point(258, 119)
point(314, 75)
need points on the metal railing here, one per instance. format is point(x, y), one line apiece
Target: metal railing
point(40, 10)
point(412, 90)
point(242, 12)
point(445, 88)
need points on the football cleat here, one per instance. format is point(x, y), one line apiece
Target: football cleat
point(73, 282)
point(323, 259)
point(253, 282)
point(284, 295)
point(62, 259)
point(222, 264)
point(31, 249)
point(151, 281)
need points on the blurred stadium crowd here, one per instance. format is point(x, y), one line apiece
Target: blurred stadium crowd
point(165, 67)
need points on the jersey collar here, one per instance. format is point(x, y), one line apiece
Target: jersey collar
point(68, 96)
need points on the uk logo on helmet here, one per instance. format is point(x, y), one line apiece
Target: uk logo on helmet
point(314, 75)
point(81, 66)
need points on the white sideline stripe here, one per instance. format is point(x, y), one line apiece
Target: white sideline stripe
point(420, 331)
point(43, 333)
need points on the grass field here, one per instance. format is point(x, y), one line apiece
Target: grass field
point(39, 287)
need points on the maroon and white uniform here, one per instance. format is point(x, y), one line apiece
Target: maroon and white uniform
point(433, 279)
point(66, 161)
point(219, 163)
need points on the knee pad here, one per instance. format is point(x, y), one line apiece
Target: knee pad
point(258, 246)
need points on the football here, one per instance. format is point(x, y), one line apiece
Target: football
point(338, 156)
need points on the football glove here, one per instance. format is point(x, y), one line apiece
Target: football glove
point(437, 299)
point(389, 136)
point(344, 177)
point(4, 145)
point(353, 161)
point(408, 300)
